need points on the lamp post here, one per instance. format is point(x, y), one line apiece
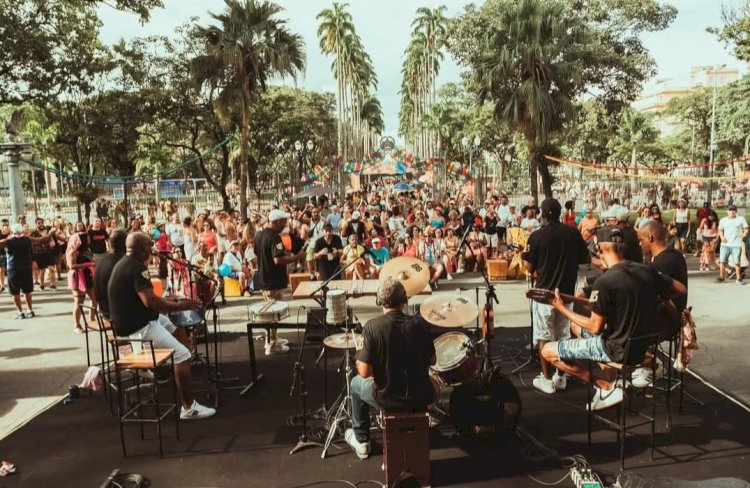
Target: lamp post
point(303, 157)
point(478, 189)
point(13, 150)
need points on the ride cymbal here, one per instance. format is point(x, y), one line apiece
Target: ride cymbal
point(413, 273)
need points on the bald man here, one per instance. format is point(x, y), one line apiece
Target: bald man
point(136, 312)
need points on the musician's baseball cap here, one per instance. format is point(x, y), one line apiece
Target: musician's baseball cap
point(732, 207)
point(550, 206)
point(622, 213)
point(609, 233)
point(277, 214)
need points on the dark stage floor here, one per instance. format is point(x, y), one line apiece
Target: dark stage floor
point(247, 444)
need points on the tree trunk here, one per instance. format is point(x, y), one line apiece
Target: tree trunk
point(543, 167)
point(244, 141)
point(126, 213)
point(533, 170)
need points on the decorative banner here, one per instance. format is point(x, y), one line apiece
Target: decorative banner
point(612, 172)
point(594, 166)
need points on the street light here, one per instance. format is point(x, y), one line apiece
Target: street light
point(303, 155)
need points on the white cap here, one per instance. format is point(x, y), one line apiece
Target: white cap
point(355, 215)
point(277, 214)
point(16, 228)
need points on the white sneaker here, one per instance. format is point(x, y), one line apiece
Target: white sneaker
point(449, 277)
point(276, 348)
point(362, 449)
point(560, 381)
point(196, 412)
point(642, 376)
point(283, 342)
point(543, 384)
point(605, 398)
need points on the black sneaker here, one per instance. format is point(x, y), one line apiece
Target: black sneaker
point(30, 314)
point(719, 280)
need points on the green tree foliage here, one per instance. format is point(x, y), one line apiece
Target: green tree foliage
point(735, 32)
point(248, 46)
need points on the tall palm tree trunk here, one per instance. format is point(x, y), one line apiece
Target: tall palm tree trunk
point(244, 169)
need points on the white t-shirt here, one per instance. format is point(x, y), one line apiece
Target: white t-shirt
point(174, 231)
point(504, 216)
point(732, 229)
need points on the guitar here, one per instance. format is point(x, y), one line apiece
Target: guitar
point(546, 296)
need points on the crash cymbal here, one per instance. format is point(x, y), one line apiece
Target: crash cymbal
point(344, 340)
point(448, 310)
point(413, 273)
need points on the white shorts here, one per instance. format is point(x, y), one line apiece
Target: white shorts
point(548, 323)
point(160, 332)
point(493, 240)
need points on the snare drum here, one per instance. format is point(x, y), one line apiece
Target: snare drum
point(268, 311)
point(186, 318)
point(336, 304)
point(456, 361)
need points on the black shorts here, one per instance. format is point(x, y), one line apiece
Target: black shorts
point(3, 260)
point(43, 260)
point(20, 281)
point(682, 230)
point(501, 232)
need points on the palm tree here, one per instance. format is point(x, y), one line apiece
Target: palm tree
point(532, 69)
point(246, 47)
point(335, 32)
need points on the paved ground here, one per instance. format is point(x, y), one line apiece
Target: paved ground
point(40, 357)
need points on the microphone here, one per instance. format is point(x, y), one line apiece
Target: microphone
point(156, 252)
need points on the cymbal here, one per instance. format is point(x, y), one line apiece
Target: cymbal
point(413, 273)
point(344, 340)
point(448, 310)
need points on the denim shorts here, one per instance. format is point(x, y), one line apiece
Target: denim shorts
point(589, 347)
point(730, 255)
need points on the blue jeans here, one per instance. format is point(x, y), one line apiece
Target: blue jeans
point(363, 397)
point(589, 346)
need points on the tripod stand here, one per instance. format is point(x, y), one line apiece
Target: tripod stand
point(299, 371)
point(532, 357)
point(344, 409)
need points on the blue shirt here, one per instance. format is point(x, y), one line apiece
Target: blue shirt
point(379, 256)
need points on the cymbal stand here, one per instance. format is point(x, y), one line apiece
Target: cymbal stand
point(299, 372)
point(344, 409)
point(490, 295)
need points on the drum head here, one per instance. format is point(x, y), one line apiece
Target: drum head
point(185, 318)
point(450, 350)
point(335, 293)
point(268, 308)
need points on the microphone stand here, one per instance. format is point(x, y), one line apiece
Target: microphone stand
point(490, 295)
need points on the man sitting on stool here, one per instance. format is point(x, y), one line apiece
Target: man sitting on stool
point(392, 365)
point(135, 311)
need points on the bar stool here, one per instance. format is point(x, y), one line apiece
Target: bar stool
point(635, 351)
point(104, 329)
point(145, 359)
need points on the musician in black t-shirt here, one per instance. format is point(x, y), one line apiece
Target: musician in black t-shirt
point(105, 266)
point(392, 365)
point(624, 299)
point(553, 252)
point(327, 252)
point(272, 277)
point(135, 312)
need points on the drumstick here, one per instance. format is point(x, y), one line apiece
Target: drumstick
point(264, 308)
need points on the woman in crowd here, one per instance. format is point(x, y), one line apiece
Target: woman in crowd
point(490, 230)
point(681, 220)
point(529, 224)
point(454, 223)
point(205, 287)
point(644, 218)
point(80, 278)
point(476, 257)
point(438, 221)
point(209, 238)
point(450, 244)
point(233, 259)
point(569, 216)
point(709, 230)
point(191, 237)
point(431, 252)
point(179, 277)
point(353, 251)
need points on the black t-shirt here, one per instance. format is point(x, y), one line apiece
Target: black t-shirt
point(326, 266)
point(102, 275)
point(672, 264)
point(267, 246)
point(44, 248)
point(128, 313)
point(98, 241)
point(627, 296)
point(555, 251)
point(633, 252)
point(399, 350)
point(19, 253)
point(490, 225)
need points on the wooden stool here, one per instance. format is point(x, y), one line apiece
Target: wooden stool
point(406, 447)
point(497, 269)
point(296, 278)
point(232, 287)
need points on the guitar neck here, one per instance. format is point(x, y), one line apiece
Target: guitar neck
point(546, 296)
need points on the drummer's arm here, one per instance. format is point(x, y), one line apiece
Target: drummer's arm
point(365, 370)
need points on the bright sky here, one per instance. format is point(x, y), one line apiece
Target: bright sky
point(384, 27)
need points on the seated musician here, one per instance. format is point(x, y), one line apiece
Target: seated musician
point(623, 304)
point(392, 365)
point(136, 312)
point(354, 251)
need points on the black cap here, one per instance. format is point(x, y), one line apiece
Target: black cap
point(609, 233)
point(551, 206)
point(732, 207)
